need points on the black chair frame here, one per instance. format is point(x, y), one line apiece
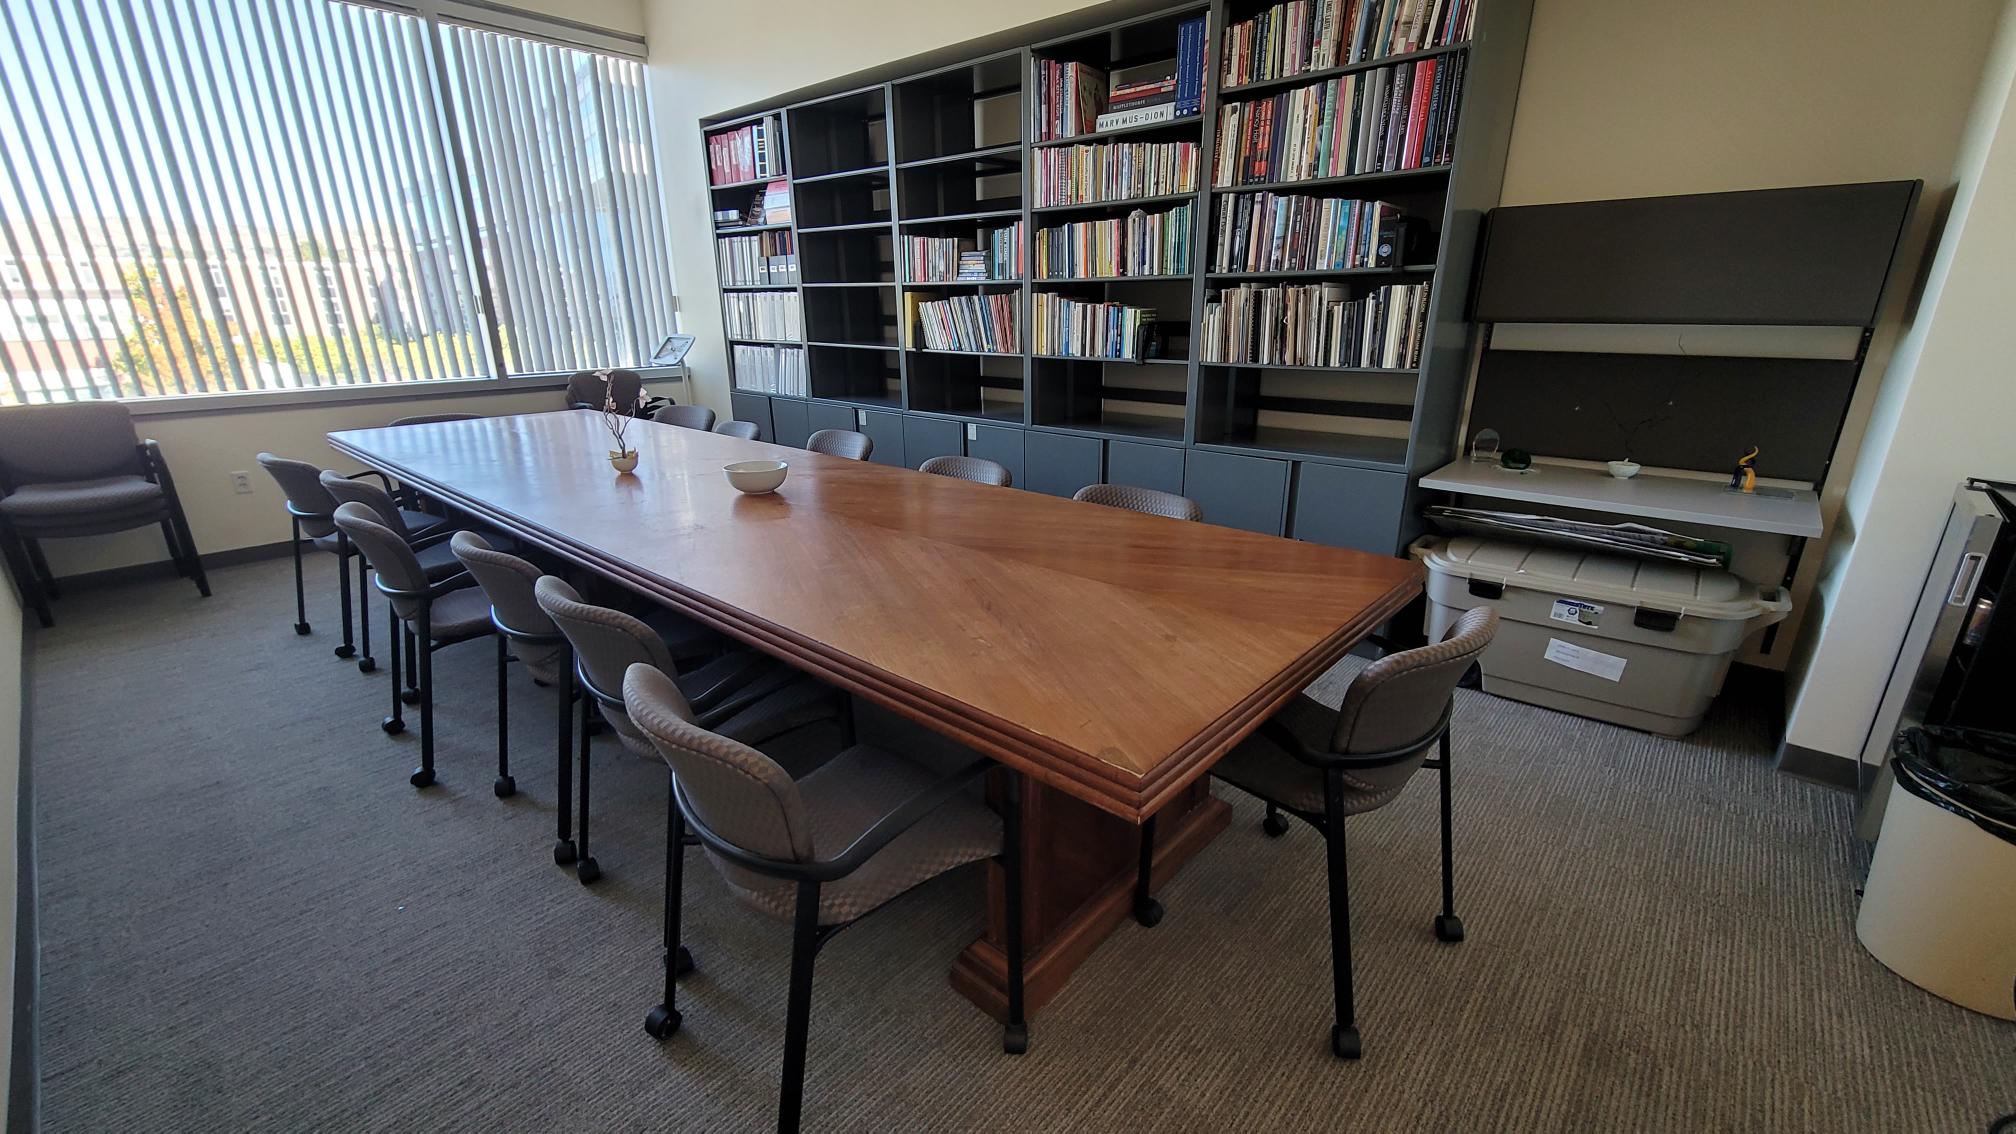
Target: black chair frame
point(420, 645)
point(808, 936)
point(344, 553)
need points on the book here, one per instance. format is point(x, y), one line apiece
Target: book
point(1285, 232)
point(1080, 328)
point(1190, 67)
point(1144, 116)
point(777, 203)
point(985, 324)
point(747, 153)
point(1299, 36)
point(1111, 171)
point(996, 255)
point(769, 369)
point(1139, 244)
point(756, 260)
point(1069, 98)
point(1378, 120)
point(761, 314)
point(1316, 325)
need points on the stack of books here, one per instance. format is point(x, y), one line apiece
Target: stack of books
point(1159, 92)
point(1082, 329)
point(1140, 244)
point(1113, 171)
point(1386, 119)
point(938, 259)
point(986, 324)
point(1069, 97)
point(1316, 325)
point(1279, 232)
point(756, 260)
point(774, 206)
point(770, 369)
point(762, 314)
point(748, 153)
point(1311, 35)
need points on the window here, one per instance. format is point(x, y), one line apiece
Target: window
point(410, 199)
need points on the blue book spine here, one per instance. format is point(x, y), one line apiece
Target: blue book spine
point(1190, 60)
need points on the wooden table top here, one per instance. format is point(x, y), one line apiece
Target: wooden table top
point(1112, 655)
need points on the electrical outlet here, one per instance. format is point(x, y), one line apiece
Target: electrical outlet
point(241, 483)
point(972, 432)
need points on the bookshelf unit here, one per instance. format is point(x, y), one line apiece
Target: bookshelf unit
point(957, 153)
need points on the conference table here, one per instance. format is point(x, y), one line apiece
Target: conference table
point(1108, 656)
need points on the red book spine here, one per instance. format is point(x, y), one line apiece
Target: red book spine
point(1417, 116)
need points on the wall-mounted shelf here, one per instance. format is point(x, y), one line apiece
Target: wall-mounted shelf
point(1649, 496)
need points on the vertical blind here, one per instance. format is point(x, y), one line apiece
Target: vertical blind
point(273, 194)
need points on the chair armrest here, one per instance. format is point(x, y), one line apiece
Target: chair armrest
point(737, 699)
point(704, 700)
point(906, 816)
point(382, 478)
point(1282, 735)
point(429, 540)
point(461, 580)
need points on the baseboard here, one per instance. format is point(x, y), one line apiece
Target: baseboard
point(163, 568)
point(24, 1081)
point(1819, 767)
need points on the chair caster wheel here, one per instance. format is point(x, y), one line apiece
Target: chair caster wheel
point(563, 852)
point(505, 787)
point(684, 963)
point(367, 664)
point(393, 726)
point(661, 1023)
point(1015, 1039)
point(1148, 913)
point(421, 777)
point(409, 696)
point(345, 652)
point(1276, 825)
point(302, 629)
point(1448, 927)
point(587, 870)
point(1344, 1043)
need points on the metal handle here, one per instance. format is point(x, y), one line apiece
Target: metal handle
point(1964, 578)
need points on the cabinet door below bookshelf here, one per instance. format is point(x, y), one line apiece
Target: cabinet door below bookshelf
point(928, 437)
point(793, 420)
point(754, 408)
point(1347, 507)
point(886, 429)
point(1001, 444)
point(1238, 492)
point(1159, 467)
point(1061, 463)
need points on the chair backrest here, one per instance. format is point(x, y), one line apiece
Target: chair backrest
point(980, 470)
point(388, 552)
point(606, 642)
point(348, 491)
point(686, 417)
point(427, 418)
point(67, 441)
point(841, 443)
point(587, 388)
point(1400, 697)
point(741, 795)
point(746, 430)
point(1149, 500)
point(507, 581)
point(302, 482)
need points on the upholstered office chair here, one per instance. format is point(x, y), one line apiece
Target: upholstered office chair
point(430, 418)
point(686, 417)
point(412, 526)
point(841, 443)
point(1321, 765)
point(746, 430)
point(979, 470)
point(311, 511)
point(587, 390)
point(436, 612)
point(742, 693)
point(522, 628)
point(79, 469)
point(824, 851)
point(1149, 500)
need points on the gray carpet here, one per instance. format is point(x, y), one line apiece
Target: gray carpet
point(250, 921)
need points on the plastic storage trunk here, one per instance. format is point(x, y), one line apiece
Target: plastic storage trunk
point(1637, 643)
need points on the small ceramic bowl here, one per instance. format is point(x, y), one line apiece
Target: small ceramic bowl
point(1624, 470)
point(756, 477)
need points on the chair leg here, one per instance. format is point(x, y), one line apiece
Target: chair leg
point(191, 560)
point(1015, 1034)
point(396, 723)
point(663, 1020)
point(504, 786)
point(42, 571)
point(1275, 824)
point(587, 869)
point(798, 1014)
point(366, 663)
point(25, 578)
point(301, 626)
point(423, 636)
point(349, 647)
point(176, 556)
point(1344, 1042)
point(563, 846)
point(1448, 927)
point(1147, 910)
point(412, 692)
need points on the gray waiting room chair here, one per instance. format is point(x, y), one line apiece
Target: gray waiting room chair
point(741, 693)
point(588, 389)
point(524, 630)
point(311, 513)
point(686, 417)
point(1321, 765)
point(746, 430)
point(412, 526)
point(842, 443)
point(433, 612)
point(821, 852)
point(79, 469)
point(979, 470)
point(1152, 501)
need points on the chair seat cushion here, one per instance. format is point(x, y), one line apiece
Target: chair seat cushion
point(1265, 769)
point(80, 497)
point(685, 639)
point(460, 614)
point(802, 702)
point(843, 799)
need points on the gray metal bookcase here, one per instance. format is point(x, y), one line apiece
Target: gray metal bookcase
point(948, 152)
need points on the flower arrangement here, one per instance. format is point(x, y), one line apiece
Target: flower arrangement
point(617, 418)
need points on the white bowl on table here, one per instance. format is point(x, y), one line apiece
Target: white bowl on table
point(756, 477)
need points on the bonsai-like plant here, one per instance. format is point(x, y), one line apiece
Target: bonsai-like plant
point(617, 418)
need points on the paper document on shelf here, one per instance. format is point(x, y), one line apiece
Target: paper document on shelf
point(1609, 667)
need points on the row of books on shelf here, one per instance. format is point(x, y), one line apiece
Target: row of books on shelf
point(1112, 171)
point(1391, 118)
point(1288, 232)
point(1316, 325)
point(756, 260)
point(770, 369)
point(991, 324)
point(770, 205)
point(746, 152)
point(1087, 329)
point(1311, 35)
point(762, 315)
point(1139, 244)
point(999, 255)
point(1075, 98)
